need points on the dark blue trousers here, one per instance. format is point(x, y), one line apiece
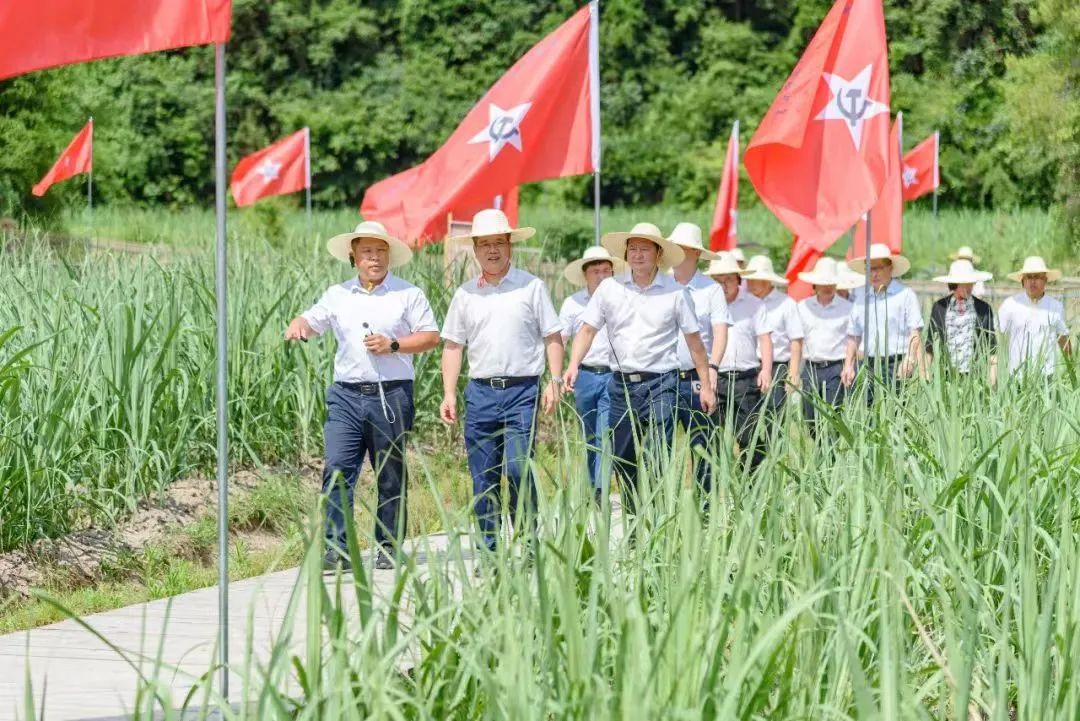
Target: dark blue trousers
point(593, 405)
point(356, 426)
point(641, 412)
point(700, 427)
point(822, 380)
point(500, 426)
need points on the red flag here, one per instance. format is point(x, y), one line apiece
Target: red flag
point(724, 233)
point(819, 157)
point(538, 121)
point(78, 157)
point(284, 167)
point(803, 258)
point(887, 217)
point(36, 34)
point(920, 175)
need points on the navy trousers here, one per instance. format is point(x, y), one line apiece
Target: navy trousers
point(593, 405)
point(739, 401)
point(701, 429)
point(641, 412)
point(822, 380)
point(778, 389)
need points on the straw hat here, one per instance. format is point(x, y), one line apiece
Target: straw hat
point(848, 279)
point(964, 252)
point(575, 271)
point(962, 271)
point(688, 235)
point(880, 251)
point(616, 244)
point(494, 222)
point(1035, 264)
point(340, 246)
point(760, 267)
point(724, 265)
point(737, 254)
point(824, 273)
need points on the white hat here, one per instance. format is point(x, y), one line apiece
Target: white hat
point(340, 246)
point(737, 254)
point(1035, 264)
point(494, 222)
point(724, 265)
point(964, 252)
point(880, 251)
point(848, 279)
point(616, 244)
point(962, 271)
point(760, 267)
point(688, 235)
point(575, 271)
point(824, 273)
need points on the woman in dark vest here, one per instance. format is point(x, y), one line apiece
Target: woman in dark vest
point(962, 327)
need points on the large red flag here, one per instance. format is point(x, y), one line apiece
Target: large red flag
point(803, 258)
point(724, 232)
point(36, 34)
point(818, 159)
point(920, 174)
point(887, 217)
point(284, 167)
point(537, 122)
point(78, 157)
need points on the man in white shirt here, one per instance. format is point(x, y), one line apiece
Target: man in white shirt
point(507, 322)
point(825, 317)
point(746, 368)
point(380, 321)
point(891, 344)
point(713, 320)
point(644, 312)
point(782, 317)
point(1033, 322)
point(591, 397)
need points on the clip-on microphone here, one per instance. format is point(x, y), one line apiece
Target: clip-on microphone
point(388, 412)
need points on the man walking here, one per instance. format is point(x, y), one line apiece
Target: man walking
point(824, 317)
point(1033, 322)
point(782, 317)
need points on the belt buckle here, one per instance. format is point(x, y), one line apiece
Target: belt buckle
point(498, 384)
point(634, 377)
point(368, 388)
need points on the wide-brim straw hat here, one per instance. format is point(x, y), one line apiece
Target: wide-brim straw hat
point(725, 264)
point(824, 273)
point(964, 252)
point(738, 255)
point(880, 251)
point(848, 279)
point(760, 267)
point(616, 244)
point(340, 246)
point(1035, 264)
point(575, 271)
point(688, 235)
point(494, 222)
point(961, 272)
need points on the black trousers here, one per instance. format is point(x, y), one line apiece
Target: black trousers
point(739, 401)
point(822, 380)
point(882, 374)
point(778, 390)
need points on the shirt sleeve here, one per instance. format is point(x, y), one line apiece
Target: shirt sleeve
point(594, 313)
point(684, 312)
point(420, 317)
point(319, 315)
point(794, 321)
point(455, 329)
point(1059, 323)
point(761, 321)
point(719, 311)
point(546, 317)
point(914, 311)
point(855, 321)
point(567, 318)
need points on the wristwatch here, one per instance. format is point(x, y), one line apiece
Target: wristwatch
point(394, 345)
point(715, 367)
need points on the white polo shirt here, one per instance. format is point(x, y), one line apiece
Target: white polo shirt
point(502, 326)
point(644, 325)
point(750, 318)
point(825, 328)
point(570, 314)
point(782, 316)
point(394, 308)
point(710, 308)
point(1032, 330)
point(894, 315)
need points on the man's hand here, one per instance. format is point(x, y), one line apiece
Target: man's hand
point(905, 369)
point(570, 378)
point(552, 394)
point(794, 379)
point(847, 376)
point(299, 329)
point(707, 397)
point(377, 343)
point(448, 410)
point(764, 380)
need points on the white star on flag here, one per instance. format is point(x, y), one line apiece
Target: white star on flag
point(502, 128)
point(849, 101)
point(910, 177)
point(268, 170)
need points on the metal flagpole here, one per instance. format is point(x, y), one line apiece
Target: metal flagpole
point(594, 109)
point(937, 182)
point(900, 159)
point(866, 296)
point(90, 191)
point(220, 268)
point(307, 176)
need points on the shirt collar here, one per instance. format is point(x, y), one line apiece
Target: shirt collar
point(511, 278)
point(892, 288)
point(661, 280)
point(355, 286)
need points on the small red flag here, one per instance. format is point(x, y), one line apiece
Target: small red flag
point(920, 175)
point(37, 34)
point(804, 256)
point(284, 167)
point(78, 157)
point(887, 217)
point(819, 157)
point(724, 232)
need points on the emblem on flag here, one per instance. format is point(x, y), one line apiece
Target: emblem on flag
point(850, 101)
point(502, 128)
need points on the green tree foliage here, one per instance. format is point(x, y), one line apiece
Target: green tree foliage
point(383, 83)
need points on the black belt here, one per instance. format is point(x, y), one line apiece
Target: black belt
point(748, 373)
point(690, 375)
point(884, 358)
point(501, 383)
point(594, 369)
point(638, 377)
point(371, 389)
point(824, 364)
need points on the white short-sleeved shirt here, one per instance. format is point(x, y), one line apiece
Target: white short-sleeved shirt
point(750, 321)
point(782, 315)
point(825, 328)
point(894, 316)
point(1032, 329)
point(599, 354)
point(710, 308)
point(394, 308)
point(502, 326)
point(643, 325)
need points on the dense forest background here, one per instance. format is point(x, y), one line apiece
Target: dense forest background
point(382, 83)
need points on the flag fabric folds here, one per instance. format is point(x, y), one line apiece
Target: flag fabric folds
point(887, 216)
point(921, 174)
point(78, 157)
point(277, 169)
point(724, 232)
